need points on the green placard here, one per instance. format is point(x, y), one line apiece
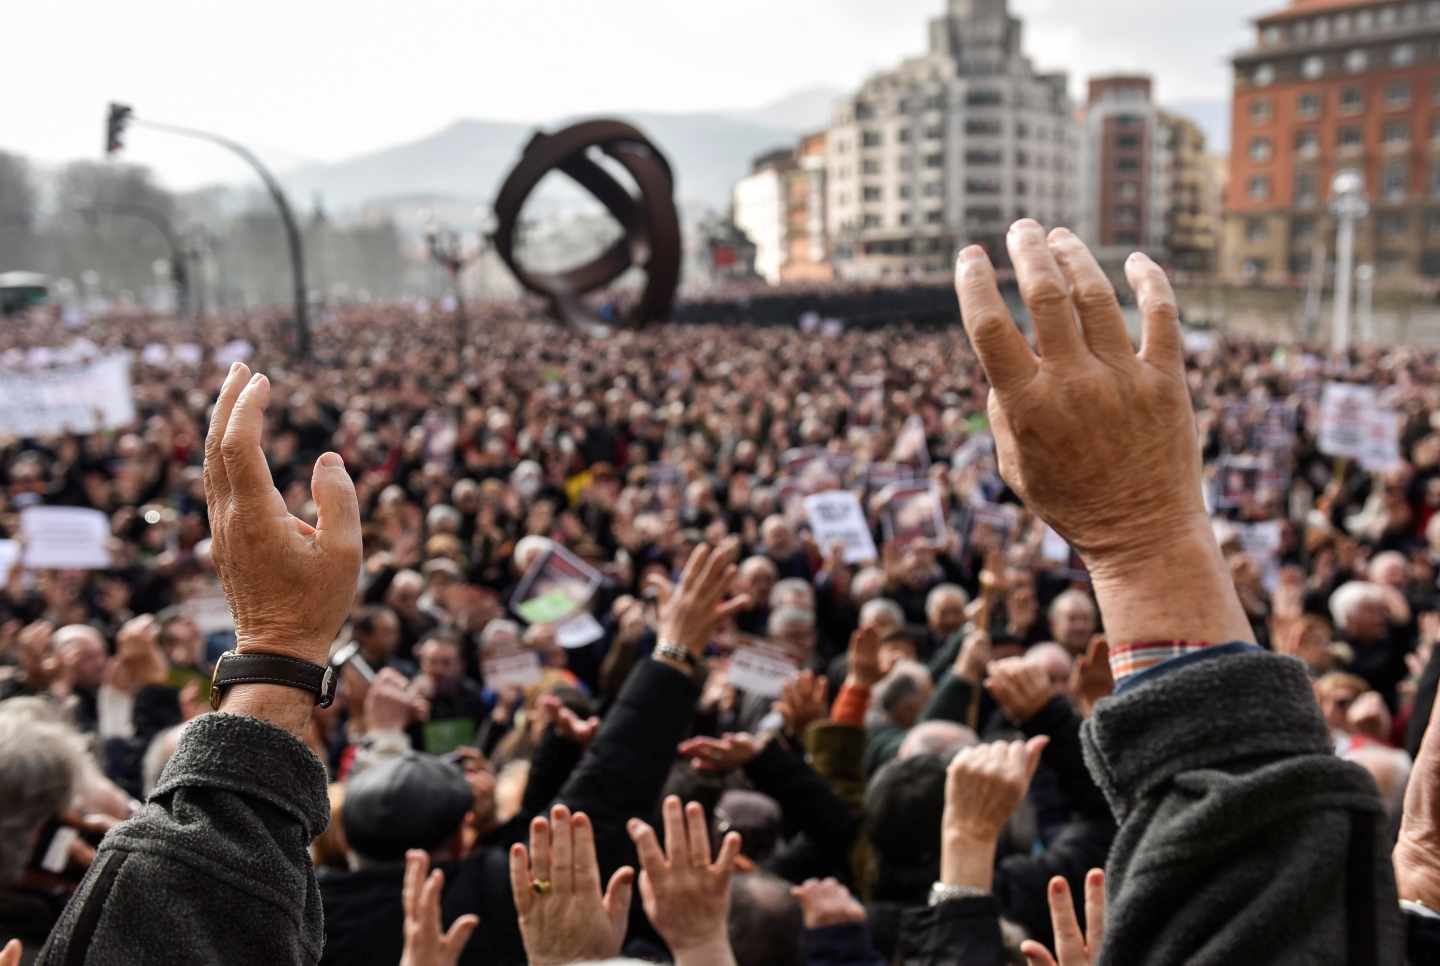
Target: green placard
point(443, 737)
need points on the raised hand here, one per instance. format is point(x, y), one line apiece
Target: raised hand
point(804, 699)
point(1075, 948)
point(1417, 851)
point(1092, 679)
point(290, 585)
point(825, 902)
point(138, 661)
point(864, 658)
point(425, 944)
point(1100, 441)
point(390, 705)
point(734, 751)
point(687, 896)
point(973, 660)
point(982, 787)
point(556, 883)
point(692, 612)
point(567, 724)
point(1021, 687)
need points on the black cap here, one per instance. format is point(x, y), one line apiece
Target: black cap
point(415, 801)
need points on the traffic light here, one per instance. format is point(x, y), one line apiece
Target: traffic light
point(115, 121)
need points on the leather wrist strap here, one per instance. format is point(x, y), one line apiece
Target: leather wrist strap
point(235, 668)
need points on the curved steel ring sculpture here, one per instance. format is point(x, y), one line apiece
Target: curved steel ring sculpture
point(651, 239)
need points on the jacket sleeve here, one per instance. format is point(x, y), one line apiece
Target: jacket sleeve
point(554, 761)
point(1021, 879)
point(826, 824)
point(844, 945)
point(217, 864)
point(624, 770)
point(965, 932)
point(1242, 837)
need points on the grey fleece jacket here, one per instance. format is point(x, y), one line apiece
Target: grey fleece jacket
point(216, 868)
point(1242, 838)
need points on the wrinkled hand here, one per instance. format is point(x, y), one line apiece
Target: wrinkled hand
point(569, 920)
point(983, 785)
point(1021, 687)
point(390, 705)
point(290, 585)
point(825, 902)
point(1078, 425)
point(425, 945)
point(692, 612)
point(734, 751)
point(1417, 851)
point(864, 657)
point(138, 662)
point(804, 699)
point(974, 657)
point(567, 724)
point(1072, 946)
point(686, 896)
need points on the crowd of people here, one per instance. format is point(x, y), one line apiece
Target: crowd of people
point(924, 754)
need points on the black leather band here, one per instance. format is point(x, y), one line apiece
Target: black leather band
point(234, 668)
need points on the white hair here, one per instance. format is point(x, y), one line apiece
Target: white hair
point(874, 609)
point(787, 616)
point(40, 765)
point(1072, 594)
point(157, 756)
point(496, 627)
point(792, 586)
point(936, 596)
point(1350, 596)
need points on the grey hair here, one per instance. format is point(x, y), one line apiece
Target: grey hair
point(789, 586)
point(881, 605)
point(932, 599)
point(496, 627)
point(443, 517)
point(157, 756)
point(1069, 595)
point(40, 765)
point(940, 738)
point(1348, 597)
point(788, 615)
point(905, 679)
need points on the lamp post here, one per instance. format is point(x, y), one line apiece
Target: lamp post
point(1349, 206)
point(120, 115)
point(449, 250)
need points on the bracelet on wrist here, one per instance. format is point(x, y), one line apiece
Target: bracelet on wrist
point(669, 650)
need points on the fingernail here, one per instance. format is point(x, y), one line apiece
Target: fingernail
point(970, 253)
point(255, 379)
point(234, 368)
point(331, 459)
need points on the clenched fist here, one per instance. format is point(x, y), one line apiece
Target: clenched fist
point(289, 585)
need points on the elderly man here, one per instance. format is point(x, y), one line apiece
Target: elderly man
point(457, 704)
point(82, 655)
point(756, 580)
point(1073, 620)
point(1370, 618)
point(944, 616)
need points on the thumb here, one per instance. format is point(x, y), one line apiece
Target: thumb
point(338, 525)
point(1033, 749)
point(459, 933)
point(1036, 954)
point(617, 898)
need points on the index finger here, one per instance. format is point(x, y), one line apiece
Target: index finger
point(1069, 943)
point(1004, 354)
point(245, 466)
point(1161, 343)
point(1095, 909)
point(217, 483)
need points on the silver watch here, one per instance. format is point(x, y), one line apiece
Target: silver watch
point(941, 892)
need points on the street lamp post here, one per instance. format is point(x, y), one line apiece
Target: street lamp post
point(449, 250)
point(1349, 206)
point(120, 115)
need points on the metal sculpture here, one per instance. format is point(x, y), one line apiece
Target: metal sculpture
point(651, 239)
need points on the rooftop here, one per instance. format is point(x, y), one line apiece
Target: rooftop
point(1304, 8)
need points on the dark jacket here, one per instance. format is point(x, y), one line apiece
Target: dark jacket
point(216, 868)
point(1242, 838)
point(965, 932)
point(843, 945)
point(820, 827)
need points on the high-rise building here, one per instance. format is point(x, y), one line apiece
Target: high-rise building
point(1332, 86)
point(947, 149)
point(780, 205)
point(1145, 179)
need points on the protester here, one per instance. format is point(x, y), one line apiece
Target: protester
point(691, 609)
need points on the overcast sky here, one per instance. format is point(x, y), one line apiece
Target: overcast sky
point(325, 79)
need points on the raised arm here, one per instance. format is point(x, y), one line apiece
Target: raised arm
point(1206, 736)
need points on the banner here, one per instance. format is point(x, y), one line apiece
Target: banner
point(836, 516)
point(761, 669)
point(64, 538)
point(1354, 425)
point(85, 398)
point(913, 512)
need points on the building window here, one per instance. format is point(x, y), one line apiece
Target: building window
point(1397, 94)
point(1312, 67)
point(1306, 192)
point(1261, 149)
point(1363, 21)
point(903, 192)
point(1127, 164)
point(934, 189)
point(1259, 110)
point(982, 186)
point(903, 135)
point(1432, 224)
point(1350, 138)
point(1258, 188)
point(904, 219)
point(983, 157)
point(1128, 191)
point(1256, 230)
point(1307, 142)
point(983, 98)
point(1391, 225)
point(1308, 105)
point(1356, 61)
point(1402, 55)
point(1256, 266)
point(870, 167)
point(936, 217)
point(1128, 141)
point(1392, 181)
point(934, 133)
point(1396, 132)
point(1264, 75)
point(1302, 230)
point(934, 160)
point(984, 126)
point(1352, 100)
point(1271, 36)
point(870, 194)
point(871, 221)
point(871, 139)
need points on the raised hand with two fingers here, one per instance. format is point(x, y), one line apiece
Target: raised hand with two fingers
point(425, 943)
point(1072, 946)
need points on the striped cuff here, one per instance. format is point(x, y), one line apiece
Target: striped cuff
point(1128, 660)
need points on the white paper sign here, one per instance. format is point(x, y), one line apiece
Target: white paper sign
point(578, 631)
point(9, 557)
point(517, 669)
point(836, 516)
point(1355, 426)
point(236, 350)
point(1262, 542)
point(84, 398)
point(760, 669)
point(65, 538)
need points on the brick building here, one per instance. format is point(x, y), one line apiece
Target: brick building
point(1334, 85)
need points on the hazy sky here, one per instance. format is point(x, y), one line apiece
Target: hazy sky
point(325, 79)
